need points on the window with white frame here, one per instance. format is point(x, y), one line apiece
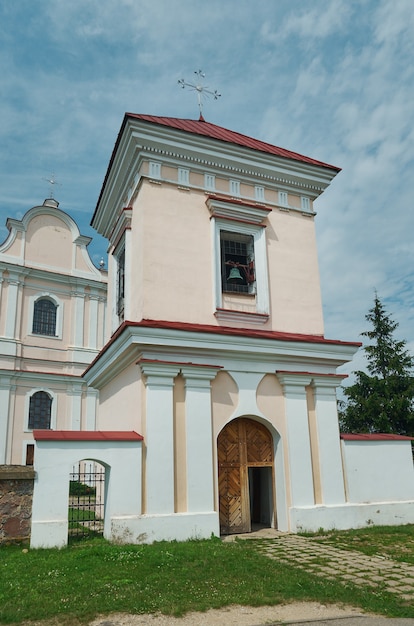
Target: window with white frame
point(240, 247)
point(283, 198)
point(235, 188)
point(40, 410)
point(209, 182)
point(305, 204)
point(44, 317)
point(183, 176)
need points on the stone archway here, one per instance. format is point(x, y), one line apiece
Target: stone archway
point(245, 476)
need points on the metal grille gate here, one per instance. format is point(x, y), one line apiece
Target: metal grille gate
point(86, 501)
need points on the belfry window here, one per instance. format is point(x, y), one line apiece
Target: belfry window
point(237, 262)
point(44, 317)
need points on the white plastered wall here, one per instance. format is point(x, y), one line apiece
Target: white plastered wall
point(378, 471)
point(53, 464)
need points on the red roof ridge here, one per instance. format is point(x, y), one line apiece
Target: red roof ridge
point(86, 435)
point(213, 131)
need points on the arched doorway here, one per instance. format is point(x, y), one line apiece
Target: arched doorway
point(245, 476)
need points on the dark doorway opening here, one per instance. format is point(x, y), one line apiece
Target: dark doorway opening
point(261, 497)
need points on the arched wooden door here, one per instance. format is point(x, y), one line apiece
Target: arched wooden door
point(245, 475)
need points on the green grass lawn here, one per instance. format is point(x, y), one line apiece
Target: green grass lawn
point(394, 542)
point(89, 578)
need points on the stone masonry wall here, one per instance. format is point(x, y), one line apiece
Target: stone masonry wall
point(16, 495)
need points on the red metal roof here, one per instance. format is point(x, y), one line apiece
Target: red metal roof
point(86, 435)
point(241, 332)
point(374, 437)
point(201, 127)
point(221, 330)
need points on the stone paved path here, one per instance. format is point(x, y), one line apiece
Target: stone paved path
point(344, 565)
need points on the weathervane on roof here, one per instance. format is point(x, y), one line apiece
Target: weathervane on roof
point(201, 90)
point(52, 181)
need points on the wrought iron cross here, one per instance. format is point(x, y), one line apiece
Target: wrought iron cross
point(200, 89)
point(52, 181)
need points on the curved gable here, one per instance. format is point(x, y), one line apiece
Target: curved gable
point(49, 239)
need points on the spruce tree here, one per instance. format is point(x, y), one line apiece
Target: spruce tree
point(382, 400)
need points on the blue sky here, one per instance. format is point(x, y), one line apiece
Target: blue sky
point(331, 79)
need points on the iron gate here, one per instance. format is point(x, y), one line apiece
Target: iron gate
point(86, 501)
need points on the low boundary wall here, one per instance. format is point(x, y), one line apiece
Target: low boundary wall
point(16, 496)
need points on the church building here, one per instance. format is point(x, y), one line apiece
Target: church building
point(217, 354)
point(207, 391)
point(52, 319)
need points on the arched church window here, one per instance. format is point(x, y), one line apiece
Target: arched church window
point(44, 317)
point(40, 410)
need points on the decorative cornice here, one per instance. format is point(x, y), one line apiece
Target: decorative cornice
point(229, 208)
point(261, 347)
point(203, 163)
point(123, 223)
point(243, 317)
point(52, 276)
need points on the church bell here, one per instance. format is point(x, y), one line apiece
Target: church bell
point(234, 275)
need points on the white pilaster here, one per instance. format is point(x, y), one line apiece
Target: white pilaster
point(93, 321)
point(4, 418)
point(159, 436)
point(199, 443)
point(78, 318)
point(327, 428)
point(128, 275)
point(11, 312)
point(298, 439)
point(91, 404)
point(76, 407)
point(102, 308)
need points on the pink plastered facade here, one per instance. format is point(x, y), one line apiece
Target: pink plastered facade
point(44, 260)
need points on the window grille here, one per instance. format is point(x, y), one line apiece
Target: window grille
point(237, 252)
point(40, 408)
point(44, 317)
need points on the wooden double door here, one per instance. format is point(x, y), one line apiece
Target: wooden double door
point(245, 476)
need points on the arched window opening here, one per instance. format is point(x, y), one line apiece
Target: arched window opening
point(44, 317)
point(40, 410)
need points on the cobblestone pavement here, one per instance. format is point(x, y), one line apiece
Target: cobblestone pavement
point(344, 565)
